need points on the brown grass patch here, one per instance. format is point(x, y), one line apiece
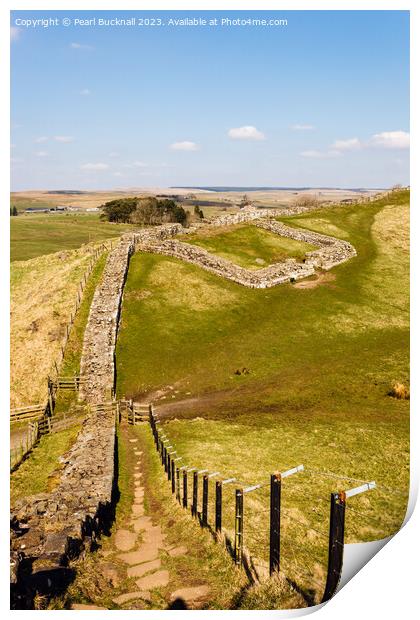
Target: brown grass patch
point(400, 391)
point(43, 293)
point(323, 278)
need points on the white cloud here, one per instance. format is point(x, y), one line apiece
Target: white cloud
point(81, 46)
point(96, 166)
point(64, 138)
point(248, 132)
point(330, 154)
point(351, 144)
point(41, 139)
point(299, 127)
point(85, 92)
point(41, 153)
point(391, 140)
point(14, 33)
point(136, 164)
point(186, 145)
point(16, 160)
point(113, 154)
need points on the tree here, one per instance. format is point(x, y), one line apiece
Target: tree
point(306, 200)
point(245, 201)
point(198, 212)
point(118, 210)
point(14, 211)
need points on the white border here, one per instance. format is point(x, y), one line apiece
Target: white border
point(387, 585)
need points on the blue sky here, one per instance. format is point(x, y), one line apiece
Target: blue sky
point(323, 101)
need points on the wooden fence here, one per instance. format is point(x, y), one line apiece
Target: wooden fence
point(35, 431)
point(55, 368)
point(185, 483)
point(26, 414)
point(135, 413)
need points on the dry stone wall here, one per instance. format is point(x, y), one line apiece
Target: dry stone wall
point(98, 365)
point(47, 530)
point(332, 252)
point(261, 278)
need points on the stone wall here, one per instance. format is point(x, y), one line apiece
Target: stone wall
point(47, 530)
point(98, 365)
point(332, 252)
point(260, 278)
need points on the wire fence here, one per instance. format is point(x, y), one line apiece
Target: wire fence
point(291, 524)
point(43, 413)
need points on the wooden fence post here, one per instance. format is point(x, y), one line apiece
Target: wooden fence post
point(275, 501)
point(50, 399)
point(204, 511)
point(168, 466)
point(336, 544)
point(185, 488)
point(173, 476)
point(194, 494)
point(165, 458)
point(239, 525)
point(178, 489)
point(218, 516)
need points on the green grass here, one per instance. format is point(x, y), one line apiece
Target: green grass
point(249, 246)
point(206, 561)
point(38, 473)
point(37, 234)
point(73, 352)
point(321, 362)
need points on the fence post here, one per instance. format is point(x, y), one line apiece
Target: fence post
point(50, 398)
point(204, 512)
point(168, 465)
point(194, 494)
point(165, 458)
point(178, 489)
point(239, 525)
point(275, 501)
point(185, 488)
point(173, 476)
point(336, 544)
point(218, 516)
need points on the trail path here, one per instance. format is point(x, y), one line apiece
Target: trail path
point(134, 560)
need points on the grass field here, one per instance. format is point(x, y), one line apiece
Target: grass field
point(39, 472)
point(43, 293)
point(248, 246)
point(321, 362)
point(35, 235)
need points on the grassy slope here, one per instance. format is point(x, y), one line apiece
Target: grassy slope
point(37, 473)
point(43, 292)
point(73, 353)
point(34, 235)
point(245, 245)
point(321, 362)
point(206, 562)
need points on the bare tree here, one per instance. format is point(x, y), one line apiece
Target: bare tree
point(306, 200)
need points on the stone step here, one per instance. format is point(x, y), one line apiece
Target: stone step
point(139, 570)
point(131, 596)
point(82, 606)
point(144, 554)
point(124, 540)
point(177, 551)
point(192, 595)
point(155, 580)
